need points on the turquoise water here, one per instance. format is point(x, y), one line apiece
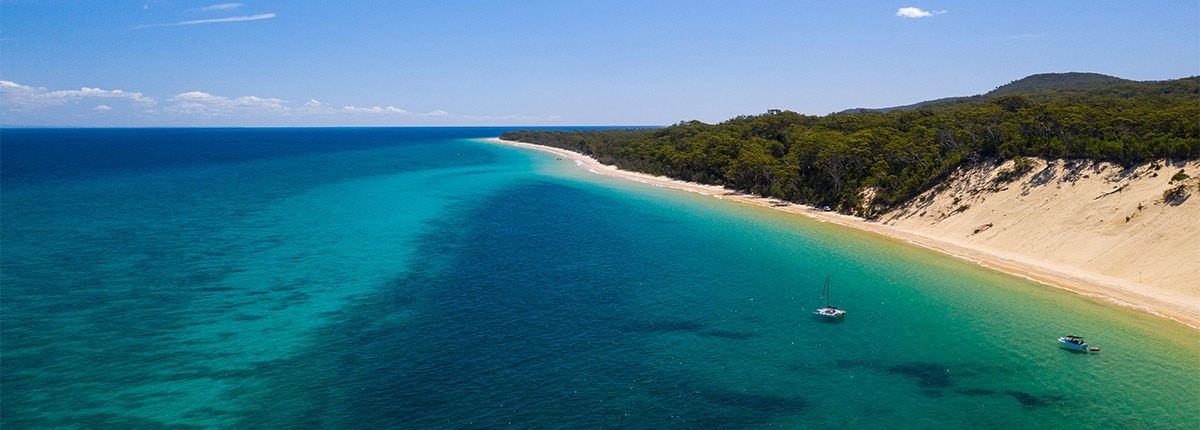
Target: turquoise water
point(416, 278)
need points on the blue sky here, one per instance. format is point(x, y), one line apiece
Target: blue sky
point(644, 62)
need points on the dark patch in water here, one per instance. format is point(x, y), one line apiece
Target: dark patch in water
point(477, 172)
point(807, 368)
point(106, 420)
point(930, 376)
point(846, 364)
point(664, 327)
point(927, 374)
point(975, 392)
point(1025, 399)
point(696, 327)
point(289, 287)
point(1032, 401)
point(709, 407)
point(758, 403)
point(213, 289)
point(728, 334)
point(934, 378)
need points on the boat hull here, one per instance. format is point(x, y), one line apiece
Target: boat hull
point(830, 313)
point(1072, 345)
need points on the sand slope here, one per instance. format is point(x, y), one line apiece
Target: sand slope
point(1105, 225)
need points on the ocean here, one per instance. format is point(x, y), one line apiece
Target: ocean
point(422, 278)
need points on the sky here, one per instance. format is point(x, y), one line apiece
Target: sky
point(168, 63)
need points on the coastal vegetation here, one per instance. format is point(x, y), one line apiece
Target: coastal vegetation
point(867, 161)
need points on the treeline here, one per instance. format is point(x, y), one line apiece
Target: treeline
point(871, 161)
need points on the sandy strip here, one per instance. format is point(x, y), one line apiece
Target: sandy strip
point(1183, 308)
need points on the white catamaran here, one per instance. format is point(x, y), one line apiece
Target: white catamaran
point(828, 311)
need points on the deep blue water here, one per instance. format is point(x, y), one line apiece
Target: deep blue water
point(32, 155)
point(415, 278)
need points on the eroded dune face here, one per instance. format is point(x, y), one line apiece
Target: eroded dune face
point(1134, 229)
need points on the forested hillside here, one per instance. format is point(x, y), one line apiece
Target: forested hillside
point(1057, 82)
point(867, 162)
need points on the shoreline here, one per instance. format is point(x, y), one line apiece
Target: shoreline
point(1179, 308)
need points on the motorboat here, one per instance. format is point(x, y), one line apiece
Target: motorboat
point(1076, 342)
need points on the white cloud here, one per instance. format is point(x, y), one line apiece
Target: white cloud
point(14, 92)
point(22, 97)
point(39, 106)
point(202, 103)
point(912, 12)
point(96, 92)
point(314, 107)
point(374, 109)
point(222, 6)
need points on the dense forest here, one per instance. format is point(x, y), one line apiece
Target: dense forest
point(892, 155)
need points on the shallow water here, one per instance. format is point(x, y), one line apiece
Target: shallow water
point(351, 278)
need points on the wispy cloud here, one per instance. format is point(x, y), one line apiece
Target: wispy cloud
point(214, 20)
point(912, 12)
point(222, 6)
point(15, 96)
point(374, 109)
point(228, 19)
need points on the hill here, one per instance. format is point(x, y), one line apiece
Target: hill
point(1072, 81)
point(1056, 81)
point(914, 106)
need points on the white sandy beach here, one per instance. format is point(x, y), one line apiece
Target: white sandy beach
point(1062, 225)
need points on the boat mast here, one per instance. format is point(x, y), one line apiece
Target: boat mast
point(825, 292)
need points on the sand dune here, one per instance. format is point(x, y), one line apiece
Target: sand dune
point(1093, 228)
point(1108, 226)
